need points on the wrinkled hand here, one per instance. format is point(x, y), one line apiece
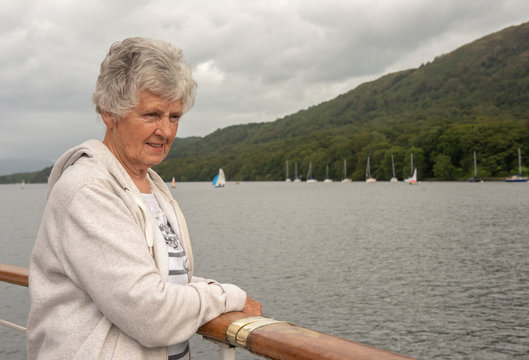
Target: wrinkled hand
point(252, 307)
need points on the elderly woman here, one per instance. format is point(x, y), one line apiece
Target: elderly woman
point(111, 273)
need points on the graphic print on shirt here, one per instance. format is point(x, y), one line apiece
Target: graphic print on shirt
point(174, 244)
point(171, 238)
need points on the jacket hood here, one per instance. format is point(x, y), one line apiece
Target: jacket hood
point(92, 149)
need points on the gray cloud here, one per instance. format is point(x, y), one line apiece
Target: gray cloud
point(254, 60)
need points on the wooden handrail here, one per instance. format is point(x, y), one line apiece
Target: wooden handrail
point(277, 340)
point(286, 341)
point(14, 274)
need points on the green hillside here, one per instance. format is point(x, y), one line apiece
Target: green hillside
point(40, 176)
point(473, 99)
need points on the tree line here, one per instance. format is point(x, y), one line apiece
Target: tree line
point(438, 154)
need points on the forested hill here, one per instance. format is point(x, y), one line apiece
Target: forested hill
point(475, 98)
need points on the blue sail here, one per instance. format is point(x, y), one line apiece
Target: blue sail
point(215, 180)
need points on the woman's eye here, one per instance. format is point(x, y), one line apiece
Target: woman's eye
point(174, 118)
point(151, 116)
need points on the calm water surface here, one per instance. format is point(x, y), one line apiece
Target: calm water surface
point(434, 271)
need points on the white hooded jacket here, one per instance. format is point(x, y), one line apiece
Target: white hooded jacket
point(98, 269)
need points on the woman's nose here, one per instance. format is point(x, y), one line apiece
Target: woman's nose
point(163, 128)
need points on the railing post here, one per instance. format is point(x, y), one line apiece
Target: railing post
point(226, 352)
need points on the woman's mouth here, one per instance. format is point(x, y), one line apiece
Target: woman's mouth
point(155, 145)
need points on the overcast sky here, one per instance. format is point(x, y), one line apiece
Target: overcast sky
point(254, 60)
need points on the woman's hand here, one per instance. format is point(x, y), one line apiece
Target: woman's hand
point(252, 307)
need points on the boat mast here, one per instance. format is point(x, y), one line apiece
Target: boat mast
point(520, 161)
point(392, 165)
point(475, 166)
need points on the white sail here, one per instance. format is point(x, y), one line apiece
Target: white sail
point(220, 179)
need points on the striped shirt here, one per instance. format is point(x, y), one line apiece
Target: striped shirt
point(178, 262)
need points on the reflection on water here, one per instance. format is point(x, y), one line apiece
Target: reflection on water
point(435, 271)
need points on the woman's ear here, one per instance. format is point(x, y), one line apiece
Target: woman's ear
point(108, 119)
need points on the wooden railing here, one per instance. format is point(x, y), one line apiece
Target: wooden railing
point(14, 274)
point(262, 336)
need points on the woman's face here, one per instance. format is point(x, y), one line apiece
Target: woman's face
point(144, 136)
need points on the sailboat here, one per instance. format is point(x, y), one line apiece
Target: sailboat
point(22, 184)
point(518, 177)
point(345, 179)
point(394, 177)
point(408, 180)
point(219, 180)
point(287, 179)
point(173, 183)
point(296, 177)
point(413, 179)
point(327, 179)
point(475, 177)
point(310, 179)
point(369, 178)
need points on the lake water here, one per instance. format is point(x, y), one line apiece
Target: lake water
point(433, 271)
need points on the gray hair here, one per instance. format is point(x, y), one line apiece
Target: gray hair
point(137, 64)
